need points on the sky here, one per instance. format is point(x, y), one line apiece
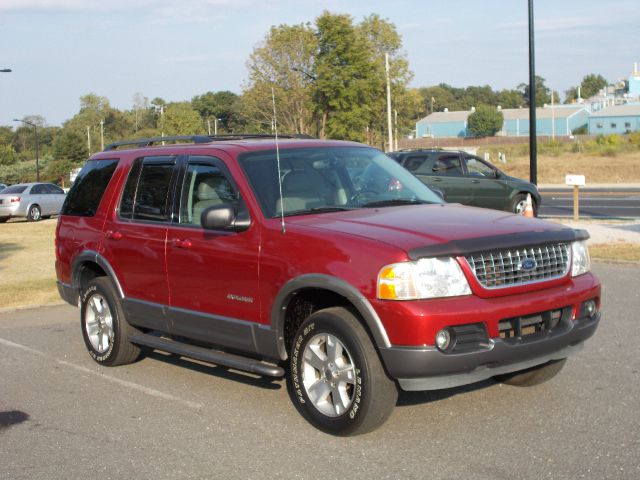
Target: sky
point(60, 50)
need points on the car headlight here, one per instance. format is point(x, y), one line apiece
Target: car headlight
point(425, 278)
point(580, 261)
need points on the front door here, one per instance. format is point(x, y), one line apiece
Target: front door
point(488, 190)
point(213, 275)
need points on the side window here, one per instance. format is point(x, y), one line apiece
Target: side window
point(413, 164)
point(53, 189)
point(37, 190)
point(448, 165)
point(146, 195)
point(88, 188)
point(478, 168)
point(205, 185)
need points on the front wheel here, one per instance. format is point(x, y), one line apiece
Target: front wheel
point(34, 214)
point(104, 328)
point(519, 204)
point(533, 376)
point(337, 377)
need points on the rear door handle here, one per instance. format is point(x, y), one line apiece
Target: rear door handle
point(111, 235)
point(179, 243)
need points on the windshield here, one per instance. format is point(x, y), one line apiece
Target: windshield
point(330, 179)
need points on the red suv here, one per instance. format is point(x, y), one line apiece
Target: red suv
point(322, 259)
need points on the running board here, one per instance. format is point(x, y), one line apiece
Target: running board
point(207, 355)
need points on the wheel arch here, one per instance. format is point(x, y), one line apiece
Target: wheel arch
point(296, 298)
point(90, 264)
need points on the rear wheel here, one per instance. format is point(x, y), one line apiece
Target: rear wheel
point(337, 377)
point(34, 213)
point(533, 376)
point(104, 328)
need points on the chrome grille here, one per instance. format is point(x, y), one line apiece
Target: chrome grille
point(518, 266)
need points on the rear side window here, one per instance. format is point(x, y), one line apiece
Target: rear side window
point(86, 193)
point(15, 189)
point(146, 194)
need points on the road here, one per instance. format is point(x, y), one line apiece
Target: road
point(64, 417)
point(594, 203)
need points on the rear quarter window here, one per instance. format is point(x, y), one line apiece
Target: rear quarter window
point(86, 193)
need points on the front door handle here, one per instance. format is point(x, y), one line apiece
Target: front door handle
point(475, 181)
point(179, 243)
point(111, 235)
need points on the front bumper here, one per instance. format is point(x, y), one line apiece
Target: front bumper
point(430, 369)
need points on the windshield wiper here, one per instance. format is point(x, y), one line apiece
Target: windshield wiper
point(326, 209)
point(394, 201)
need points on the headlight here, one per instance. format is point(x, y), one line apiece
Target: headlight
point(580, 261)
point(426, 278)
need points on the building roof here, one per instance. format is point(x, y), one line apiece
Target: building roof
point(618, 111)
point(559, 111)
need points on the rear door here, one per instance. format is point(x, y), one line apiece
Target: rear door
point(135, 239)
point(54, 199)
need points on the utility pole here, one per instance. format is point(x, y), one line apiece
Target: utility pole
point(35, 129)
point(533, 135)
point(88, 139)
point(386, 62)
point(102, 134)
point(553, 117)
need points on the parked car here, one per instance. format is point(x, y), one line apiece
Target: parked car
point(467, 179)
point(274, 256)
point(34, 201)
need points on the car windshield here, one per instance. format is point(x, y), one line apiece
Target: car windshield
point(330, 179)
point(15, 189)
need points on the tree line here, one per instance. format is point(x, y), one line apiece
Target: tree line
point(326, 78)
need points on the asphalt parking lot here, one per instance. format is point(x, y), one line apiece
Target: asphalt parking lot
point(62, 416)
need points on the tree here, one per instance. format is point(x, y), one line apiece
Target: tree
point(8, 155)
point(283, 63)
point(70, 151)
point(542, 92)
point(486, 121)
point(219, 105)
point(510, 98)
point(182, 119)
point(591, 84)
point(345, 79)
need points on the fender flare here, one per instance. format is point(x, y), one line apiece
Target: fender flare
point(332, 284)
point(93, 257)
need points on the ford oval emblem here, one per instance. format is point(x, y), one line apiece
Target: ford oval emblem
point(528, 264)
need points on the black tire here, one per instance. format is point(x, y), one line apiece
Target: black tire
point(533, 376)
point(517, 204)
point(104, 328)
point(34, 214)
point(4, 219)
point(353, 395)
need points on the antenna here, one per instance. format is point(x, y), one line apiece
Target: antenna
point(275, 129)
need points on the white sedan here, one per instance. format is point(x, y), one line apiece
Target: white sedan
point(31, 200)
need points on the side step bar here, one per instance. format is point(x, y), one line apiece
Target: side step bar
point(207, 355)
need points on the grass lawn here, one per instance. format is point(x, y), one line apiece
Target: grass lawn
point(27, 269)
point(27, 256)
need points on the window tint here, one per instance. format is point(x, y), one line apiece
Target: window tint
point(15, 189)
point(86, 192)
point(146, 193)
point(204, 186)
point(53, 189)
point(447, 165)
point(479, 168)
point(37, 190)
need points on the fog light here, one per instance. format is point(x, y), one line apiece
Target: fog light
point(588, 309)
point(443, 339)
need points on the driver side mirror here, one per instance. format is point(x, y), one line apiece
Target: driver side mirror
point(224, 217)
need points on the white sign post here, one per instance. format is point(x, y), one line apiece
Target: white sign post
point(576, 181)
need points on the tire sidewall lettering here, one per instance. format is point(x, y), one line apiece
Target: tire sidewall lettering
point(100, 358)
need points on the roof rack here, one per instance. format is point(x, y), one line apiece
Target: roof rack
point(149, 142)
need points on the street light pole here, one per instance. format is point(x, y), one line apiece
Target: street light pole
point(533, 134)
point(35, 129)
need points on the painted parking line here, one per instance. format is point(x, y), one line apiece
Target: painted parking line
point(131, 385)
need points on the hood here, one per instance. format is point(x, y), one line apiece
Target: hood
point(424, 226)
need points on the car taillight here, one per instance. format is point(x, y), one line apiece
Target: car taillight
point(14, 199)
